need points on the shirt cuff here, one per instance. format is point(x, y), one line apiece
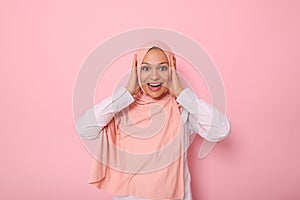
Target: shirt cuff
point(121, 98)
point(188, 99)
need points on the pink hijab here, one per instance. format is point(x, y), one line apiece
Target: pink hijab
point(141, 148)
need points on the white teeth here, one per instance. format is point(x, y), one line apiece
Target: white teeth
point(155, 85)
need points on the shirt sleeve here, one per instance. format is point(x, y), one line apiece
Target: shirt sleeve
point(203, 118)
point(90, 124)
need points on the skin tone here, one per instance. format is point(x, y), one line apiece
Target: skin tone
point(155, 69)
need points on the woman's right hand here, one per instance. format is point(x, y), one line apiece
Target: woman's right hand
point(133, 85)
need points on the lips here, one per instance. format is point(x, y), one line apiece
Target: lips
point(154, 86)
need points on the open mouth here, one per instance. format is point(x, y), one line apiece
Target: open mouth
point(154, 86)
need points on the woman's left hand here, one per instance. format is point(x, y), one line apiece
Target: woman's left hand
point(174, 87)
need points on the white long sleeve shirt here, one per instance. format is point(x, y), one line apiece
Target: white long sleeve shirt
point(198, 117)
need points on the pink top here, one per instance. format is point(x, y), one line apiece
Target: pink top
point(141, 151)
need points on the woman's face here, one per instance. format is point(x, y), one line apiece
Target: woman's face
point(155, 73)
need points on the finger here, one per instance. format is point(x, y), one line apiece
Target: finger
point(173, 62)
point(134, 64)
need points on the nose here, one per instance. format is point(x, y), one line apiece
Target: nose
point(154, 74)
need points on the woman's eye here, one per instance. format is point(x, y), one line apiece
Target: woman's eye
point(163, 68)
point(145, 68)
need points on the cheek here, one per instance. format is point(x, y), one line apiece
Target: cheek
point(142, 77)
point(166, 77)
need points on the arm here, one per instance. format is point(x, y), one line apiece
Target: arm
point(203, 118)
point(90, 124)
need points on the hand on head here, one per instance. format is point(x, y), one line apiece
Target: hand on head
point(175, 87)
point(133, 85)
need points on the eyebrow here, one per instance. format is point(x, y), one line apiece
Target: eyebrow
point(158, 63)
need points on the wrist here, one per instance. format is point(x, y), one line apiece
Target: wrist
point(129, 90)
point(178, 92)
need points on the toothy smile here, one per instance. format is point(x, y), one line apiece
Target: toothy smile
point(154, 84)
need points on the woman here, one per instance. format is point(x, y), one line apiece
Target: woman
point(145, 128)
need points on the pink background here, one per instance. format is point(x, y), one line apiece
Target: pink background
point(255, 45)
